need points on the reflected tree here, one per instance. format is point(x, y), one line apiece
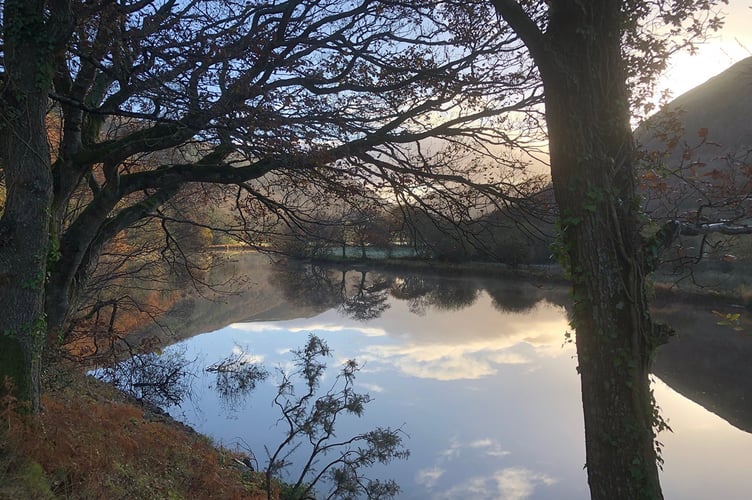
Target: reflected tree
point(310, 285)
point(159, 379)
point(309, 418)
point(453, 295)
point(366, 297)
point(444, 294)
point(370, 299)
point(363, 298)
point(413, 289)
point(513, 298)
point(236, 377)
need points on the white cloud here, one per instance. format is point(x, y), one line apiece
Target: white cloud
point(453, 451)
point(508, 358)
point(514, 483)
point(245, 356)
point(480, 443)
point(444, 361)
point(518, 483)
point(498, 452)
point(447, 347)
point(256, 327)
point(330, 327)
point(475, 487)
point(372, 387)
point(429, 477)
point(259, 327)
point(443, 345)
point(492, 448)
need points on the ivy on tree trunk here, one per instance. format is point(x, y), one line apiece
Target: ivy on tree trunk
point(593, 162)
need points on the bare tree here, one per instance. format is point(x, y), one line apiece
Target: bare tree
point(286, 101)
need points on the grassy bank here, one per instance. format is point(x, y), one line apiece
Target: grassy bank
point(90, 442)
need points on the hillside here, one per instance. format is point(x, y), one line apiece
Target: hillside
point(698, 168)
point(721, 105)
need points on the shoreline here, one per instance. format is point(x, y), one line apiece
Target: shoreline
point(662, 288)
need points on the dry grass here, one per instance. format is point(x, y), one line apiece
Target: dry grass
point(89, 443)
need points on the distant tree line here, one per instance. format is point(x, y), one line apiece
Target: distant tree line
point(407, 232)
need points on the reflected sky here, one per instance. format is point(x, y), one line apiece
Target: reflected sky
point(490, 400)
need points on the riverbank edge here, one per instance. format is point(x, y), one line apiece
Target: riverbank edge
point(662, 288)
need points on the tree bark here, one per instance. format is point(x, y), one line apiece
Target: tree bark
point(593, 173)
point(25, 222)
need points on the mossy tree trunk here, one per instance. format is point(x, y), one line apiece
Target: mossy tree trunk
point(25, 222)
point(593, 171)
point(600, 236)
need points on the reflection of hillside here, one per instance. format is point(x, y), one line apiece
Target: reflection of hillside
point(269, 292)
point(253, 296)
point(705, 362)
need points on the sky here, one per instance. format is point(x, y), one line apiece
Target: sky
point(724, 48)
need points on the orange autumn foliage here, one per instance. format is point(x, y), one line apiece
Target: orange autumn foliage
point(92, 445)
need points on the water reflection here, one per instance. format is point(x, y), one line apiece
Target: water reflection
point(369, 300)
point(477, 370)
point(236, 376)
point(475, 400)
point(707, 362)
point(362, 294)
point(159, 379)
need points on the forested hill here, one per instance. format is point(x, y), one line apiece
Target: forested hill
point(720, 107)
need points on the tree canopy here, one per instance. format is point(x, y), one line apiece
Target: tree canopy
point(288, 101)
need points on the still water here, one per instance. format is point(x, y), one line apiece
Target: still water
point(478, 374)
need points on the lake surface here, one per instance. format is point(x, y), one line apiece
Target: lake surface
point(478, 373)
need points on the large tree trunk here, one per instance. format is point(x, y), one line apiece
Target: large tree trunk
point(25, 223)
point(592, 164)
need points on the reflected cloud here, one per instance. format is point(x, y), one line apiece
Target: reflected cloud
point(480, 443)
point(429, 477)
point(518, 483)
point(475, 487)
point(491, 448)
point(372, 387)
point(541, 326)
point(452, 367)
point(514, 483)
point(255, 327)
point(447, 361)
point(241, 355)
point(454, 450)
point(439, 348)
point(508, 358)
point(328, 327)
point(445, 346)
point(258, 327)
